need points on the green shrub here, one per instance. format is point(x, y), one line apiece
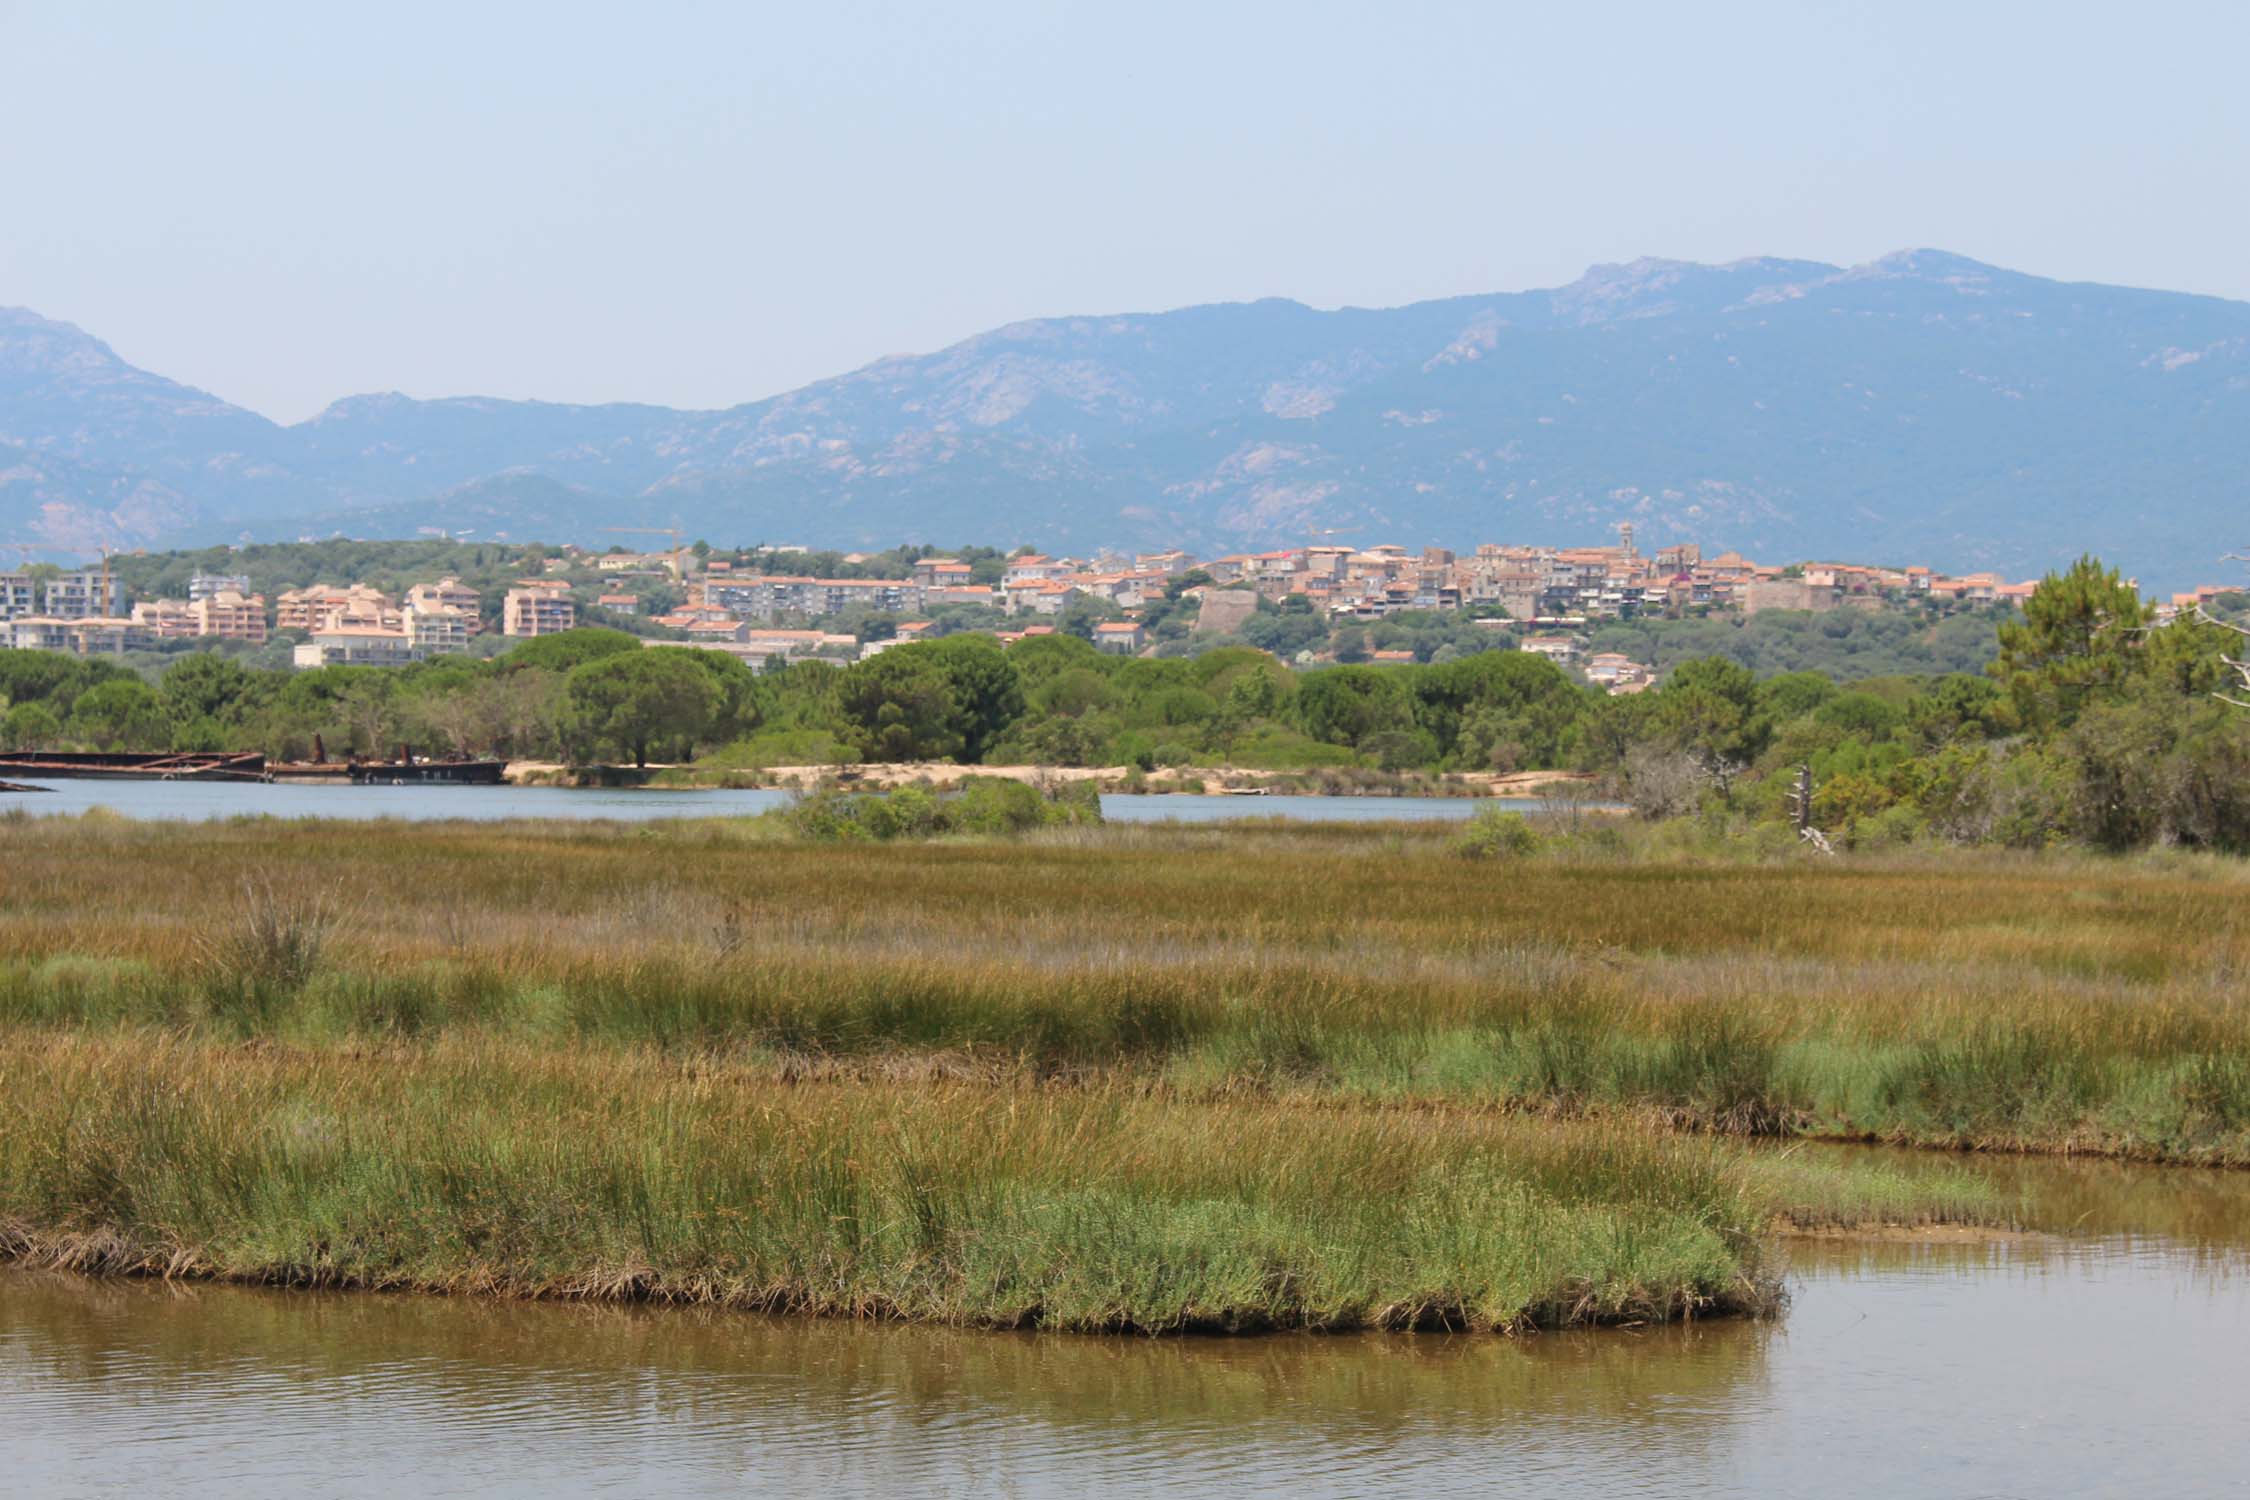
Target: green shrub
point(1497, 834)
point(981, 806)
point(993, 806)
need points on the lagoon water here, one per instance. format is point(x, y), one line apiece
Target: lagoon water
point(201, 801)
point(2113, 1361)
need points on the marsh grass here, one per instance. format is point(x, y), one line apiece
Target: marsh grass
point(277, 937)
point(1996, 1002)
point(520, 1170)
point(1120, 1079)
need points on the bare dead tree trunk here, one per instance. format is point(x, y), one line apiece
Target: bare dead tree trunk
point(1800, 803)
point(2239, 665)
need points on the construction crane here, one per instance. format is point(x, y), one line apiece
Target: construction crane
point(679, 567)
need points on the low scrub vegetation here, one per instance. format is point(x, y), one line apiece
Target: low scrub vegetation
point(980, 807)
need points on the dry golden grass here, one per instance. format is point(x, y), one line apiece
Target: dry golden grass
point(1992, 1000)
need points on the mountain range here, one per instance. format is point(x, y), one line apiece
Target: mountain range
point(1919, 408)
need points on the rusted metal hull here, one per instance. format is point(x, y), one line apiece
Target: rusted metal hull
point(310, 773)
point(429, 773)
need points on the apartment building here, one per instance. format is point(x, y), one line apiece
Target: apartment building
point(652, 564)
point(18, 596)
point(1170, 563)
point(106, 635)
point(324, 606)
point(942, 572)
point(1040, 596)
point(759, 649)
point(84, 635)
point(437, 629)
point(448, 593)
point(1124, 637)
point(85, 594)
point(354, 646)
point(206, 585)
point(769, 597)
point(938, 596)
point(538, 606)
point(1035, 568)
point(1614, 669)
point(166, 619)
point(226, 615)
point(230, 615)
point(1556, 648)
point(39, 633)
point(1126, 590)
point(713, 632)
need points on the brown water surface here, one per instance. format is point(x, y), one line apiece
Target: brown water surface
point(2113, 1361)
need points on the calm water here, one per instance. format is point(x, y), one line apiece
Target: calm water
point(2113, 1363)
point(200, 801)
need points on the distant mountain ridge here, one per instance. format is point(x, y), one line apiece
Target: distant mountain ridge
point(1922, 407)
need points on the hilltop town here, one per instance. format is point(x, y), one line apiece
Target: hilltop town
point(779, 604)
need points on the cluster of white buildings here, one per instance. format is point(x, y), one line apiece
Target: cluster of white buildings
point(761, 617)
point(85, 612)
point(1030, 585)
point(1612, 670)
point(1547, 589)
point(1570, 584)
point(363, 627)
point(1527, 583)
point(81, 611)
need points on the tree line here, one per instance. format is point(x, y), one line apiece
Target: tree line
point(2092, 724)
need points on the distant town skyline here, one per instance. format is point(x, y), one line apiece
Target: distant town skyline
point(701, 206)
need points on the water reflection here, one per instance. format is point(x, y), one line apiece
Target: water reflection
point(2087, 1199)
point(2107, 1363)
point(115, 1380)
point(1902, 1369)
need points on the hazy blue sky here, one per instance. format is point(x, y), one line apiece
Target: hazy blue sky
point(700, 205)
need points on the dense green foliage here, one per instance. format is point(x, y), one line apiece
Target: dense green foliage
point(1843, 644)
point(575, 696)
